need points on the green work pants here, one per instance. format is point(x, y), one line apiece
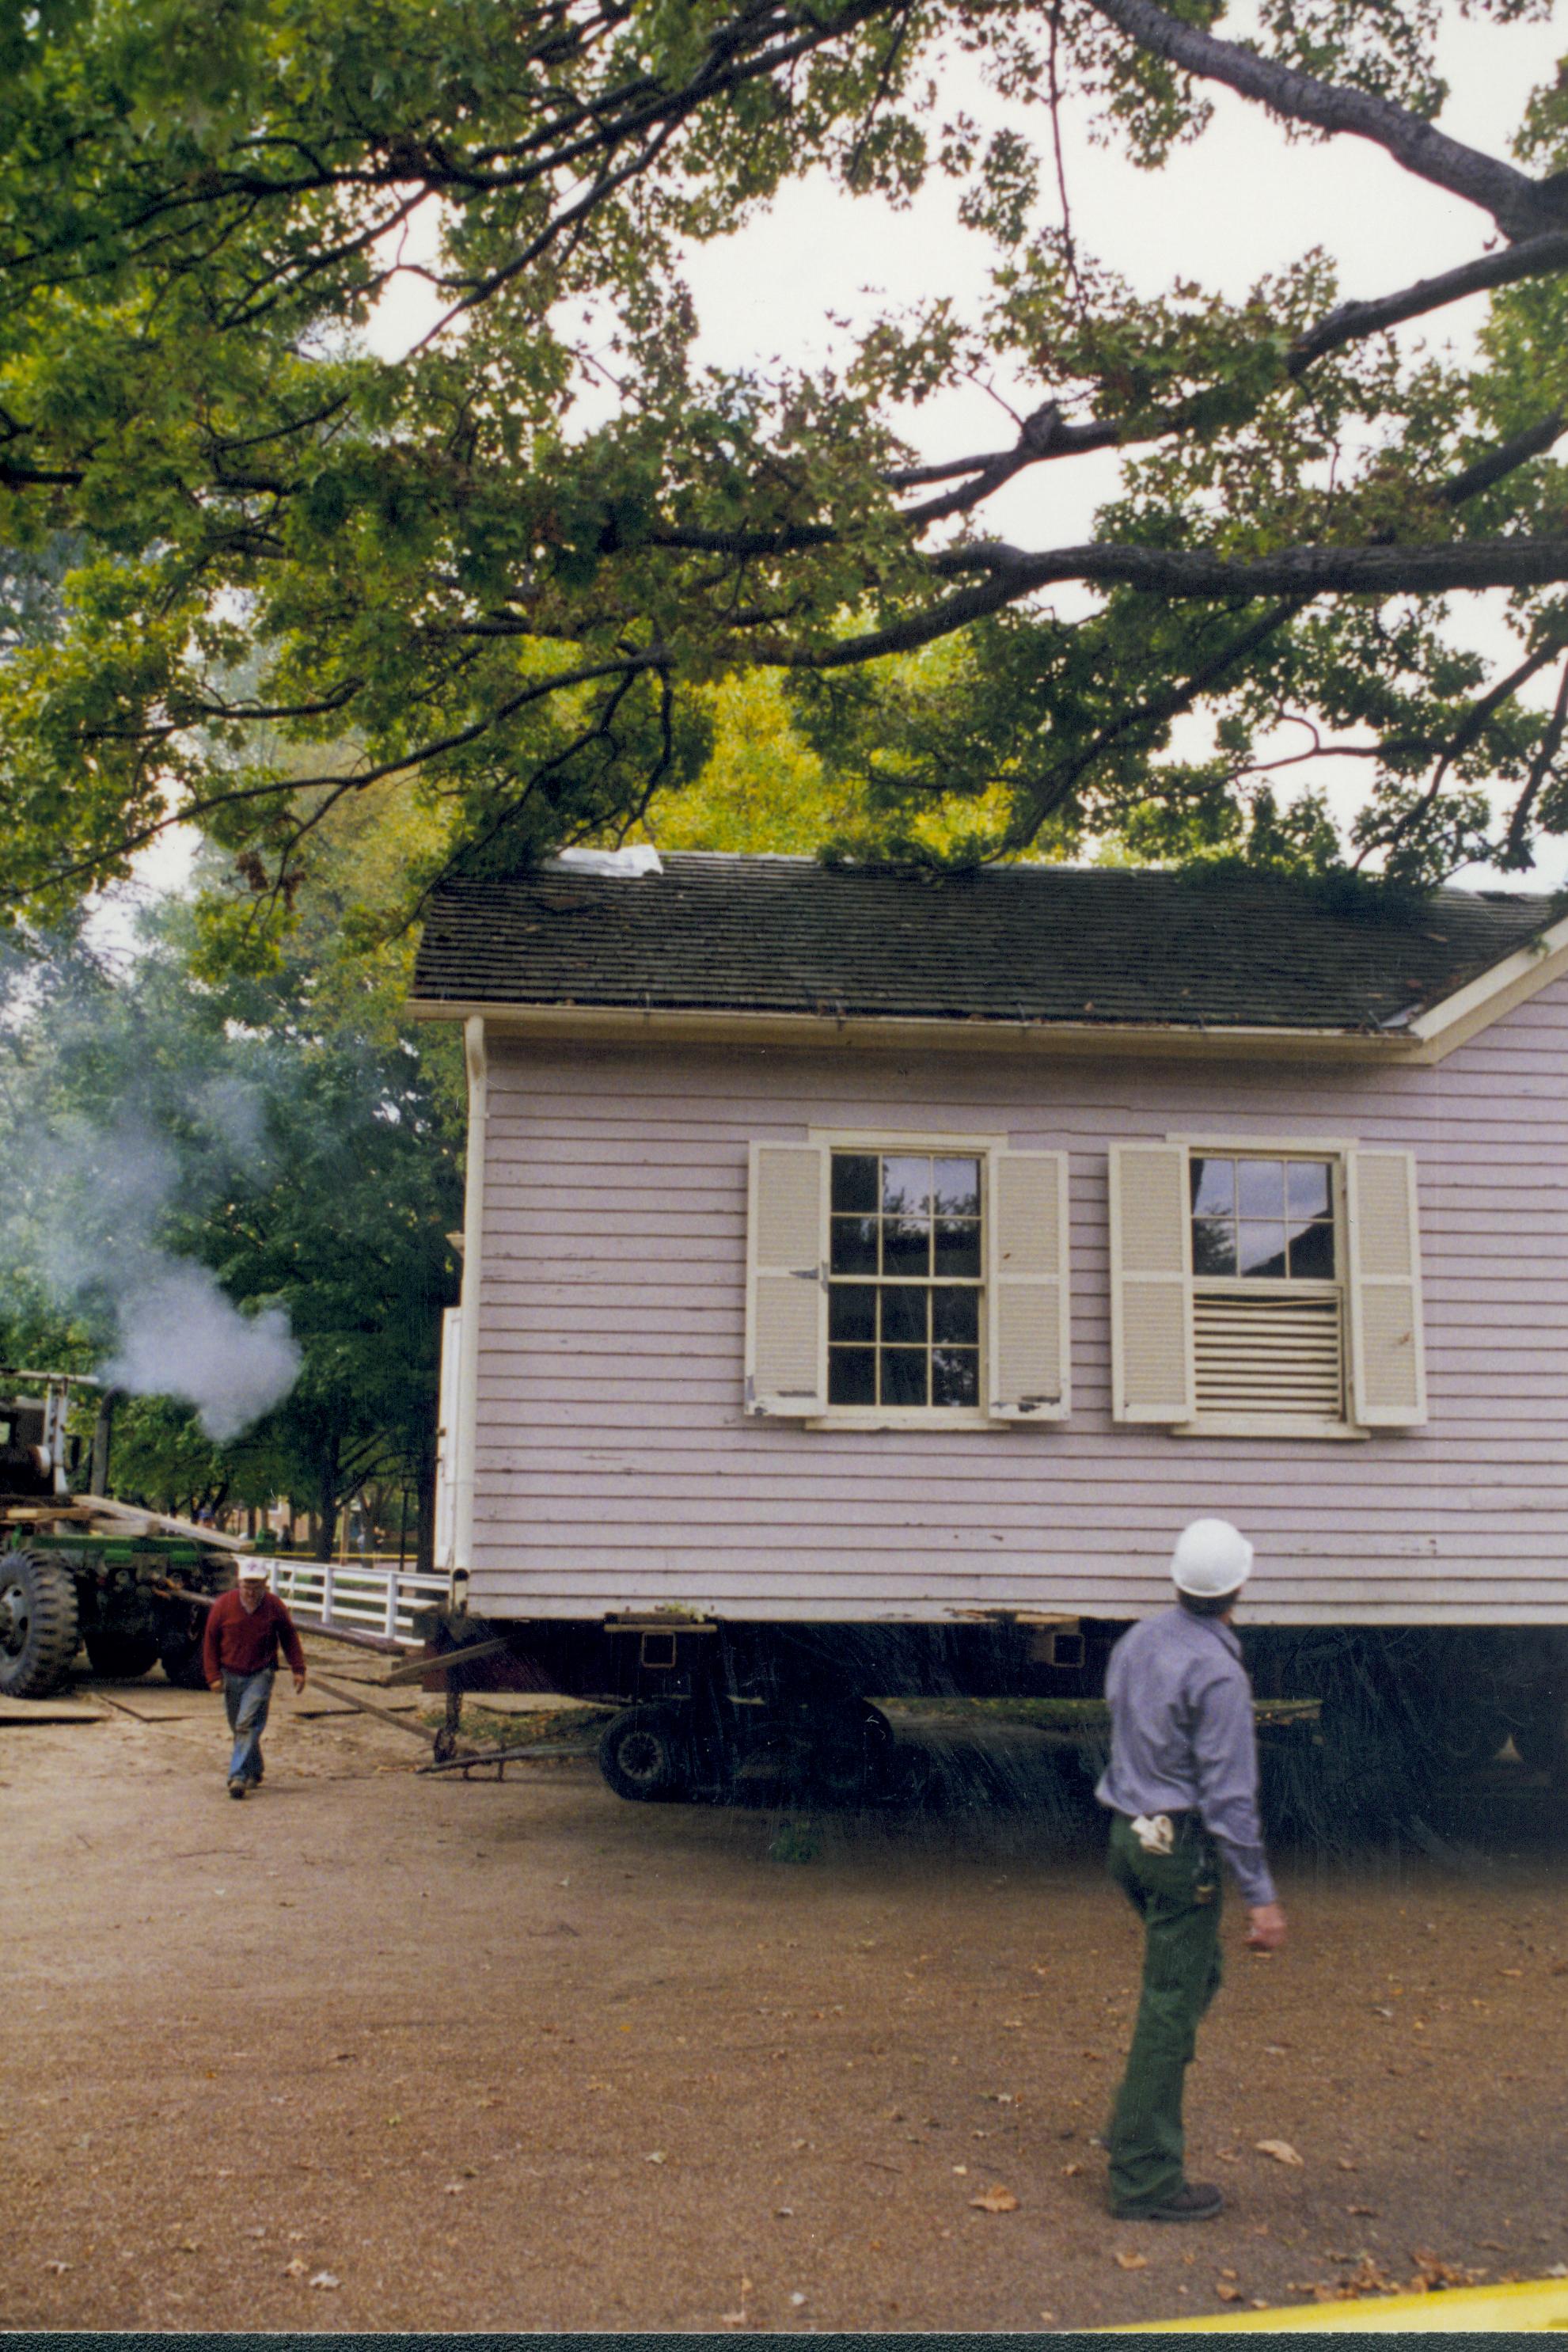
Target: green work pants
point(1177, 1896)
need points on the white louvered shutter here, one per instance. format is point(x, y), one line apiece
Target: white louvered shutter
point(1151, 1289)
point(785, 1284)
point(1387, 1367)
point(1026, 1289)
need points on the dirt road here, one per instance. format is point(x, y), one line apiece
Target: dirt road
point(379, 2052)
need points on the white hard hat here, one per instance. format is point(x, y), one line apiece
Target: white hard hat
point(1211, 1558)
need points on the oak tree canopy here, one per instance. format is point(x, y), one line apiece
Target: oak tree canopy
point(234, 535)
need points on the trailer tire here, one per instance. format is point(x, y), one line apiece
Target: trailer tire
point(121, 1657)
point(38, 1626)
point(646, 1755)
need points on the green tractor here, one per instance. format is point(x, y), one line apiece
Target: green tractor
point(77, 1568)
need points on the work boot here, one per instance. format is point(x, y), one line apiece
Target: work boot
point(237, 1788)
point(1194, 2200)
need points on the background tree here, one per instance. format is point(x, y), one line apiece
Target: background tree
point(514, 604)
point(278, 1126)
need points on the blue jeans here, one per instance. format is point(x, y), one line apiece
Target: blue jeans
point(247, 1698)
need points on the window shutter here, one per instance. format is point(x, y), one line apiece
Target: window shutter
point(785, 1286)
point(1026, 1302)
point(1387, 1368)
point(1151, 1289)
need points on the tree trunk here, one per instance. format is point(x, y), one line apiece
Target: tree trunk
point(425, 1510)
point(326, 1512)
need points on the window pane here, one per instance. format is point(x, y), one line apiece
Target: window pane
point(1308, 1188)
point(1260, 1251)
point(955, 1317)
point(955, 1376)
point(853, 1245)
point(851, 1311)
point(904, 1315)
point(903, 1376)
point(1213, 1245)
point(1213, 1187)
point(855, 1182)
point(906, 1247)
point(851, 1375)
point(958, 1246)
point(1260, 1188)
point(907, 1187)
point(1311, 1252)
point(955, 1187)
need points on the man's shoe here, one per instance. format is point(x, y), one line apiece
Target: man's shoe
point(237, 1788)
point(1194, 2200)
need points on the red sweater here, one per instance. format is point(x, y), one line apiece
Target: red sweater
point(241, 1641)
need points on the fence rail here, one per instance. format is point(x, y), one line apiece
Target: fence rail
point(374, 1596)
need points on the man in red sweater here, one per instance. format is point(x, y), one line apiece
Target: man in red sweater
point(240, 1649)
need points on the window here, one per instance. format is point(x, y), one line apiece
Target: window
point(1268, 1319)
point(904, 1267)
point(1265, 1289)
point(899, 1280)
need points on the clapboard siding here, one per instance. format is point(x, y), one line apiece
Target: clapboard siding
point(615, 1469)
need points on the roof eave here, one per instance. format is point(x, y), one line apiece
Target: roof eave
point(1454, 1020)
point(697, 1025)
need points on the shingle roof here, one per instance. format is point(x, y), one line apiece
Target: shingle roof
point(1032, 942)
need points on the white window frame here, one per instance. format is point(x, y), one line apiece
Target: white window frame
point(917, 1140)
point(1336, 1149)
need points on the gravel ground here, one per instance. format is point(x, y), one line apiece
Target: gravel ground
point(381, 2052)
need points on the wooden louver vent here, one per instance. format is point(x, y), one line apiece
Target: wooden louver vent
point(1272, 1355)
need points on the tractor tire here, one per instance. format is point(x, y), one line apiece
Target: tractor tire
point(646, 1755)
point(38, 1625)
point(121, 1657)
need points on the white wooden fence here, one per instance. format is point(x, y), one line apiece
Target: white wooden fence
point(375, 1595)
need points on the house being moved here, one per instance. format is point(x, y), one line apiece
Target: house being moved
point(863, 1263)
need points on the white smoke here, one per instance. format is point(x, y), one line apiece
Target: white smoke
point(180, 1336)
point(99, 1198)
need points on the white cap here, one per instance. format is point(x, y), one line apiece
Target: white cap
point(1211, 1558)
point(255, 1570)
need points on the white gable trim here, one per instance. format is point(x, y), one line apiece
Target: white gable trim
point(1437, 1032)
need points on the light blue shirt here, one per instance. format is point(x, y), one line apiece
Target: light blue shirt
point(1182, 1737)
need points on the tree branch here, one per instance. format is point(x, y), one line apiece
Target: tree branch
point(1520, 206)
point(1465, 565)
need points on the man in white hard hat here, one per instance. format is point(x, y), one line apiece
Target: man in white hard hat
point(1182, 1790)
point(239, 1650)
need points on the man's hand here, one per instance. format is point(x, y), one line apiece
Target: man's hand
point(300, 1679)
point(1265, 1928)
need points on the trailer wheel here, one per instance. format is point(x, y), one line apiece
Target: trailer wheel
point(646, 1755)
point(121, 1656)
point(38, 1625)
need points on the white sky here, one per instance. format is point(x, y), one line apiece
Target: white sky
point(1239, 203)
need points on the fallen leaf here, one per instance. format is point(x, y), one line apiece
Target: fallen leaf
point(1227, 2294)
point(1369, 2210)
point(453, 2188)
point(1230, 2274)
point(326, 2278)
point(1510, 1972)
point(962, 2169)
point(656, 2156)
point(1132, 2262)
point(58, 2268)
point(1279, 2150)
point(1346, 2164)
point(995, 2200)
point(797, 2300)
point(1049, 2316)
point(1071, 2172)
point(295, 2269)
point(733, 2318)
